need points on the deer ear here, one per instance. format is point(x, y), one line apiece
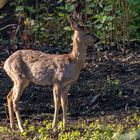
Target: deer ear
point(73, 23)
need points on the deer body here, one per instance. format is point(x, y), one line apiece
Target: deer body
point(41, 68)
point(25, 66)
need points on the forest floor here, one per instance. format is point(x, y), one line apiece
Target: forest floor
point(107, 91)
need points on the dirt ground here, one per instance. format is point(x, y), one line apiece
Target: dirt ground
point(109, 83)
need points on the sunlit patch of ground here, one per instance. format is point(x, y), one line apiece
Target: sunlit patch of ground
point(119, 126)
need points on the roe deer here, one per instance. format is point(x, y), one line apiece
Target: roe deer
point(61, 71)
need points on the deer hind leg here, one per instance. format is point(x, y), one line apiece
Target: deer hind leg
point(10, 108)
point(64, 103)
point(57, 103)
point(17, 92)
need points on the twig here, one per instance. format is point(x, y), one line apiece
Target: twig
point(7, 26)
point(131, 81)
point(95, 98)
point(91, 109)
point(17, 29)
point(126, 107)
point(126, 59)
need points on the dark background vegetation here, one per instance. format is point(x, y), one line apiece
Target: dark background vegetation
point(114, 21)
point(110, 79)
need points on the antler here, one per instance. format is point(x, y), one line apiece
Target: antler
point(77, 14)
point(78, 17)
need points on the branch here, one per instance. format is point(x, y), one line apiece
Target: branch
point(7, 26)
point(95, 99)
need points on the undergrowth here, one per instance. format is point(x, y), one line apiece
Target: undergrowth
point(99, 128)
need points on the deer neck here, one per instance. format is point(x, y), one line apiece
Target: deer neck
point(78, 53)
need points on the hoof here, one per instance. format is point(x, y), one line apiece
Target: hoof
point(12, 128)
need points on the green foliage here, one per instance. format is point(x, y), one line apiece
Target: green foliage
point(135, 22)
point(112, 20)
point(101, 128)
point(3, 129)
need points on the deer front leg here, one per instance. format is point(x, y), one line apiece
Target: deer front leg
point(57, 101)
point(10, 108)
point(64, 103)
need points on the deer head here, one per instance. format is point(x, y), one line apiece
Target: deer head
point(83, 34)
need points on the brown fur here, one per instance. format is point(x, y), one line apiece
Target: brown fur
point(61, 71)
